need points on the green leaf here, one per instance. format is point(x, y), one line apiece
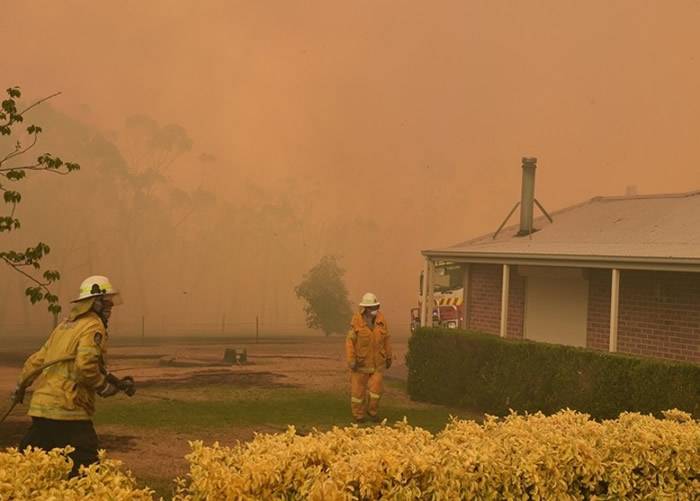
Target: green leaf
point(14, 92)
point(16, 175)
point(52, 275)
point(12, 197)
point(34, 293)
point(8, 223)
point(9, 106)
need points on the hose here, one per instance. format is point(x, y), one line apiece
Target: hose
point(129, 389)
point(29, 379)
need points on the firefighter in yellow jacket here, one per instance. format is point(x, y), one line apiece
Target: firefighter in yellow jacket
point(368, 353)
point(63, 403)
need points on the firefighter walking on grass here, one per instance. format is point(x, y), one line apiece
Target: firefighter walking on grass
point(368, 353)
point(73, 369)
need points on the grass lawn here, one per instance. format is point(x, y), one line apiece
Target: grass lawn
point(223, 407)
point(192, 409)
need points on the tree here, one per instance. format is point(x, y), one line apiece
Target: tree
point(327, 304)
point(14, 167)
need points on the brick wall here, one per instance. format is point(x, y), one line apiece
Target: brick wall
point(599, 289)
point(659, 313)
point(485, 281)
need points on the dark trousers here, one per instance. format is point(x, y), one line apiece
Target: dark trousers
point(49, 434)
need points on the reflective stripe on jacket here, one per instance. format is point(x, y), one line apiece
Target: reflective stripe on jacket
point(66, 390)
point(370, 348)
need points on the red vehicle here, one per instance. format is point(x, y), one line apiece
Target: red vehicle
point(448, 298)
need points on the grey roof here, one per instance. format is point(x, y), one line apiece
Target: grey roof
point(647, 228)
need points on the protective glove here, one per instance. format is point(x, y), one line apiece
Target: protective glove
point(17, 396)
point(127, 385)
point(352, 364)
point(388, 362)
point(107, 390)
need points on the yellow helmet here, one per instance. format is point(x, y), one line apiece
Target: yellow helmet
point(368, 300)
point(95, 286)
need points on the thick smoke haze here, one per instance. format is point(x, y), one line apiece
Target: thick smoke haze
point(227, 146)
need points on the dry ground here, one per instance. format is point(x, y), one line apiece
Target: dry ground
point(306, 367)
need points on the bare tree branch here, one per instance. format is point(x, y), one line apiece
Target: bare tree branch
point(23, 167)
point(20, 151)
point(45, 163)
point(17, 267)
point(34, 167)
point(37, 103)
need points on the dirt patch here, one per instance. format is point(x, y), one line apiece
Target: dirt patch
point(157, 457)
point(264, 380)
point(13, 359)
point(114, 442)
point(12, 431)
point(179, 362)
point(311, 357)
point(147, 356)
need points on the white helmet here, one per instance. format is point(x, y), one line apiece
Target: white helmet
point(95, 286)
point(369, 299)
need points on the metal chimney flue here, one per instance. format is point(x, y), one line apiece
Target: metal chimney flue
point(527, 196)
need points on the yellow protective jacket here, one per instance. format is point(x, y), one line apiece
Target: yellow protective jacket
point(370, 348)
point(66, 390)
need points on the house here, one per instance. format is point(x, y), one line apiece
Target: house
point(612, 273)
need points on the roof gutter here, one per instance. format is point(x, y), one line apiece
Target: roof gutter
point(575, 261)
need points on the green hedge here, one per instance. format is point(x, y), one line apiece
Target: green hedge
point(484, 372)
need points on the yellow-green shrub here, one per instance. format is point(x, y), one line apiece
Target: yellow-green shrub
point(38, 475)
point(564, 456)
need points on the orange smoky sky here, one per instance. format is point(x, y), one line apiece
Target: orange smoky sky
point(412, 114)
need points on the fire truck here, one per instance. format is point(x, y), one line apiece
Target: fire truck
point(448, 297)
